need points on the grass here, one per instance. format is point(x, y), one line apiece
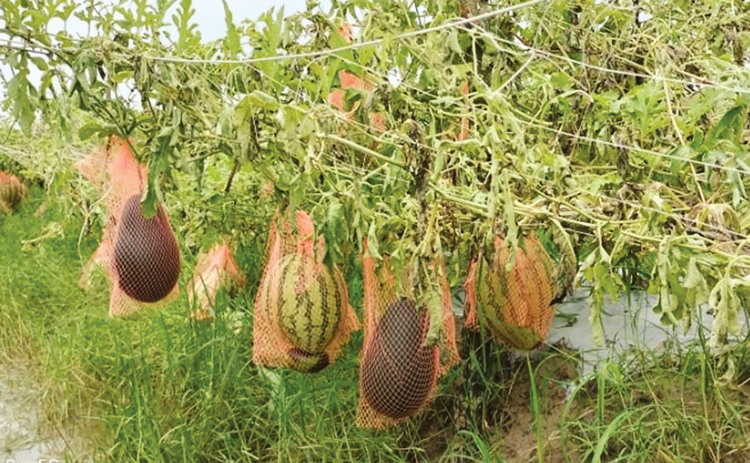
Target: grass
point(157, 388)
point(662, 406)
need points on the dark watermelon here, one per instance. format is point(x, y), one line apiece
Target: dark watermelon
point(397, 372)
point(147, 258)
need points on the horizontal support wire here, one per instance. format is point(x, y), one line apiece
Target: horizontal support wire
point(354, 46)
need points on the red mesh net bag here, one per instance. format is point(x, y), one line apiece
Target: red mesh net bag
point(514, 304)
point(302, 312)
point(398, 372)
point(214, 270)
point(140, 256)
point(12, 192)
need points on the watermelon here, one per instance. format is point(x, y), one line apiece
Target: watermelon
point(147, 258)
point(398, 372)
point(306, 362)
point(517, 303)
point(309, 304)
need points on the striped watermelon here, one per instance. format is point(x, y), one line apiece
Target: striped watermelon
point(517, 303)
point(309, 304)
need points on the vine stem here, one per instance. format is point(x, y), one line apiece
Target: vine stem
point(235, 168)
point(682, 139)
point(334, 51)
point(362, 149)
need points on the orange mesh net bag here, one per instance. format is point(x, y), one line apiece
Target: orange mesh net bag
point(302, 312)
point(140, 255)
point(399, 372)
point(12, 192)
point(214, 270)
point(514, 304)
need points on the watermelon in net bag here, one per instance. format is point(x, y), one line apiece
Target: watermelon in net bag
point(214, 270)
point(140, 255)
point(515, 304)
point(302, 312)
point(12, 192)
point(398, 372)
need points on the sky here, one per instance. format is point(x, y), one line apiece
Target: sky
point(209, 14)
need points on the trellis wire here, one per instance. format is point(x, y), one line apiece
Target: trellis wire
point(321, 53)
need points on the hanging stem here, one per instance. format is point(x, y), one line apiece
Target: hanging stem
point(235, 168)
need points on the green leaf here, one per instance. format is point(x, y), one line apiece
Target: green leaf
point(695, 281)
point(187, 30)
point(158, 164)
point(336, 221)
point(372, 242)
point(560, 80)
point(336, 231)
point(88, 130)
point(451, 41)
point(18, 92)
point(40, 63)
point(729, 127)
point(232, 39)
point(259, 99)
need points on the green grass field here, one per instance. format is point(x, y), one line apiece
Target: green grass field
point(158, 388)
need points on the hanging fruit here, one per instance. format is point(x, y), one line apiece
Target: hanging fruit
point(147, 257)
point(214, 270)
point(514, 303)
point(398, 371)
point(302, 312)
point(309, 304)
point(12, 192)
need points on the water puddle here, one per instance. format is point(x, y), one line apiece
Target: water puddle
point(23, 438)
point(626, 322)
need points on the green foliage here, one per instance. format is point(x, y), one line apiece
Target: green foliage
point(619, 129)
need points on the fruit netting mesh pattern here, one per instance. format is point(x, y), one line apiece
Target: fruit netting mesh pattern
point(12, 192)
point(514, 304)
point(302, 313)
point(398, 374)
point(140, 256)
point(214, 270)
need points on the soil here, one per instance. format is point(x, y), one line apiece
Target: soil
point(464, 404)
point(552, 374)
